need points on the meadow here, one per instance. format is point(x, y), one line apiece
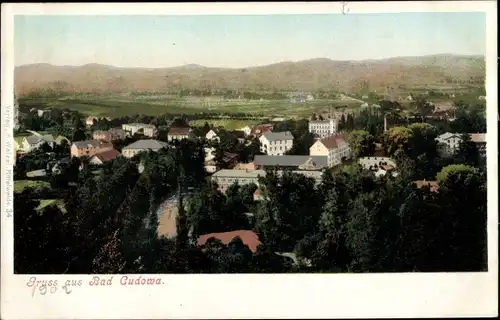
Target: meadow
point(120, 105)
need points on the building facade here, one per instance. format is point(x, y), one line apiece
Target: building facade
point(449, 142)
point(276, 143)
point(34, 142)
point(89, 148)
point(225, 178)
point(335, 148)
point(324, 128)
point(178, 133)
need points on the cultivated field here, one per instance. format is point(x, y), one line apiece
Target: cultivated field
point(117, 106)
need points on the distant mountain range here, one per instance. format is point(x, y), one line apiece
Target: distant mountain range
point(306, 75)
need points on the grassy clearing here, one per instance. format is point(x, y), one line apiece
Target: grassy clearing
point(20, 185)
point(230, 124)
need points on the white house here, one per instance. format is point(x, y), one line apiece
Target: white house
point(34, 142)
point(246, 130)
point(449, 142)
point(276, 143)
point(323, 128)
point(147, 129)
point(335, 147)
point(212, 135)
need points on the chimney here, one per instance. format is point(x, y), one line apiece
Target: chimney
point(385, 123)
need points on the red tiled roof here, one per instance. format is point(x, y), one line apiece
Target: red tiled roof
point(434, 185)
point(262, 128)
point(334, 141)
point(107, 155)
point(248, 237)
point(387, 167)
point(478, 137)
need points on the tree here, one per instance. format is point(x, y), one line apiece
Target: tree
point(362, 143)
point(468, 152)
point(397, 138)
point(422, 107)
point(79, 135)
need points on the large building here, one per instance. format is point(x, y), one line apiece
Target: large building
point(323, 128)
point(335, 147)
point(301, 162)
point(276, 143)
point(148, 130)
point(226, 177)
point(89, 148)
point(142, 145)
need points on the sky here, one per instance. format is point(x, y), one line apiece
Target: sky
point(242, 41)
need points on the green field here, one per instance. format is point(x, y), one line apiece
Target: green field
point(20, 185)
point(117, 106)
point(230, 124)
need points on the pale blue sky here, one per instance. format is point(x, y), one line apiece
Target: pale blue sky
point(241, 41)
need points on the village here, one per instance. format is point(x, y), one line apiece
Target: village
point(328, 148)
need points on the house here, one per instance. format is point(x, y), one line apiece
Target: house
point(260, 129)
point(246, 130)
point(449, 142)
point(110, 135)
point(118, 134)
point(245, 166)
point(105, 156)
point(335, 147)
point(480, 140)
point(385, 169)
point(302, 162)
point(34, 142)
point(371, 163)
point(433, 185)
point(89, 148)
point(41, 112)
point(178, 133)
point(248, 237)
point(90, 120)
point(259, 195)
point(210, 166)
point(148, 130)
point(212, 135)
point(276, 143)
point(323, 128)
point(226, 177)
point(142, 145)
